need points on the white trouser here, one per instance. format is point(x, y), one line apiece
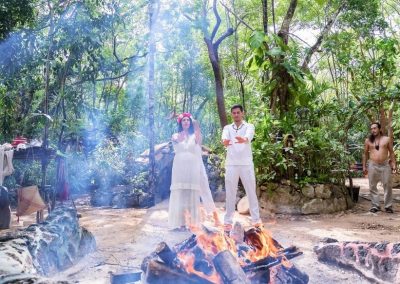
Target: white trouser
point(246, 175)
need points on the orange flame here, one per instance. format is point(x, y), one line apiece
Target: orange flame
point(263, 245)
point(214, 240)
point(187, 259)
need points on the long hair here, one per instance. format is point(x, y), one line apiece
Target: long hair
point(371, 136)
point(191, 127)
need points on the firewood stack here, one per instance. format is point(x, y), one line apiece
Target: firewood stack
point(210, 256)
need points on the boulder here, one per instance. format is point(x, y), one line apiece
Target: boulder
point(243, 206)
point(315, 206)
point(378, 262)
point(308, 191)
point(5, 210)
point(323, 191)
point(396, 180)
point(220, 196)
point(47, 247)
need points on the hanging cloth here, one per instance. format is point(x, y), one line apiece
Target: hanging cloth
point(63, 186)
point(6, 166)
point(29, 201)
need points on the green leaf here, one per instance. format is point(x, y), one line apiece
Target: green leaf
point(256, 39)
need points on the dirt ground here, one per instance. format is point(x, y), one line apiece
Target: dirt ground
point(125, 236)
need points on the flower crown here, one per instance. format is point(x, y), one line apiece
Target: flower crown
point(182, 115)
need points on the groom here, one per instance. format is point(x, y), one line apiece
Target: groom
point(237, 137)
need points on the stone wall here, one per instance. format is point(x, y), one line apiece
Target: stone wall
point(287, 198)
point(42, 249)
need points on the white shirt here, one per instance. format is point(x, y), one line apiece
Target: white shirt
point(238, 154)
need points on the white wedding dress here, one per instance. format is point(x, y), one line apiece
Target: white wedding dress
point(185, 183)
point(189, 182)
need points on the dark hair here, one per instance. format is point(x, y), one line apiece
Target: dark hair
point(237, 106)
point(191, 127)
point(371, 136)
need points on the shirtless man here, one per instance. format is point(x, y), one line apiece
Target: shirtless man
point(381, 164)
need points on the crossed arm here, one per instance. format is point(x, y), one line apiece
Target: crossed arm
point(248, 136)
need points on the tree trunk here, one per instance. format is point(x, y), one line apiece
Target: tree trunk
point(219, 88)
point(273, 15)
point(151, 95)
point(265, 15)
point(212, 47)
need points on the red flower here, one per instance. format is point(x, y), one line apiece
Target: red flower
point(182, 115)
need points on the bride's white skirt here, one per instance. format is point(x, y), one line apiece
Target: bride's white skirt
point(183, 204)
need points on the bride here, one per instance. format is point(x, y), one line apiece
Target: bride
point(189, 180)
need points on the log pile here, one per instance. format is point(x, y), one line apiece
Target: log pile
point(210, 256)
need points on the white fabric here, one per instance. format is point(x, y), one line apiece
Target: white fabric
point(246, 175)
point(189, 183)
point(238, 153)
point(185, 183)
point(205, 191)
point(6, 166)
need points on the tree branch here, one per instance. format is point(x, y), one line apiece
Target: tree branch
point(236, 16)
point(218, 18)
point(229, 32)
point(284, 31)
point(321, 37)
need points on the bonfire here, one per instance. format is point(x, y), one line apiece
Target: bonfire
point(210, 255)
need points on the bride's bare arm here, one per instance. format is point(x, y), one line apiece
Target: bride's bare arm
point(197, 132)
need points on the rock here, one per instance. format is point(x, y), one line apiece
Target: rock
point(337, 191)
point(308, 191)
point(322, 191)
point(340, 204)
point(379, 262)
point(283, 200)
point(5, 210)
point(396, 180)
point(287, 199)
point(315, 206)
point(243, 206)
point(220, 196)
point(47, 247)
point(29, 278)
point(258, 192)
point(15, 257)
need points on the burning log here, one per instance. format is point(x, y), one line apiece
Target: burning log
point(165, 253)
point(280, 275)
point(123, 278)
point(210, 256)
point(269, 261)
point(186, 244)
point(229, 269)
point(158, 273)
point(375, 261)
